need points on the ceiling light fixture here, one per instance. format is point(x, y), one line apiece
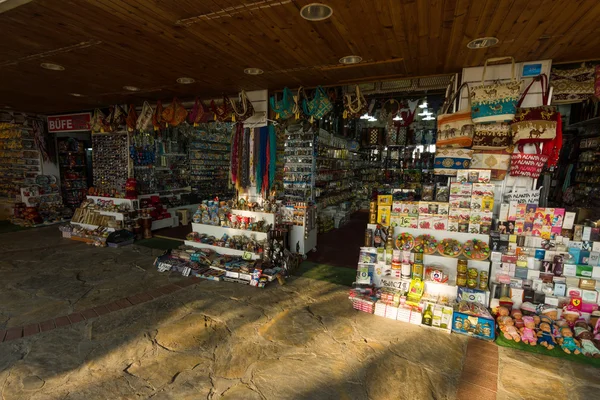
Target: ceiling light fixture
point(316, 12)
point(76, 94)
point(253, 71)
point(429, 118)
point(365, 116)
point(350, 60)
point(131, 88)
point(397, 118)
point(482, 43)
point(52, 67)
point(185, 81)
point(424, 104)
point(372, 119)
point(425, 113)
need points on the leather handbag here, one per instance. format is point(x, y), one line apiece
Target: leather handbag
point(175, 113)
point(285, 108)
point(449, 161)
point(496, 102)
point(494, 136)
point(318, 106)
point(535, 124)
point(529, 165)
point(455, 130)
point(245, 110)
point(497, 161)
point(144, 121)
point(132, 118)
point(157, 120)
point(99, 123)
point(222, 112)
point(354, 108)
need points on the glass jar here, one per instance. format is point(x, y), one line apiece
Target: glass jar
point(461, 280)
point(462, 266)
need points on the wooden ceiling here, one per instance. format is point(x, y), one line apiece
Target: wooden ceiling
point(107, 44)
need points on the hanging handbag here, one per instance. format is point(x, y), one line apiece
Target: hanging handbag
point(157, 120)
point(116, 118)
point(285, 108)
point(496, 102)
point(198, 114)
point(144, 121)
point(246, 109)
point(318, 106)
point(99, 123)
point(529, 165)
point(455, 130)
point(449, 161)
point(572, 85)
point(494, 136)
point(132, 118)
point(497, 161)
point(354, 108)
point(535, 124)
point(175, 113)
point(223, 112)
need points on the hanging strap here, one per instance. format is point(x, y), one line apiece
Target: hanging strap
point(512, 71)
point(537, 148)
point(544, 84)
point(360, 101)
point(447, 106)
point(243, 101)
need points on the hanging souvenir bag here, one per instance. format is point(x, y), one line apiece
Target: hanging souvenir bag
point(198, 113)
point(157, 120)
point(529, 165)
point(449, 161)
point(535, 124)
point(116, 118)
point(497, 161)
point(222, 112)
point(318, 106)
point(132, 118)
point(496, 102)
point(455, 130)
point(99, 123)
point(354, 108)
point(175, 113)
point(285, 108)
point(494, 136)
point(245, 109)
point(144, 121)
point(572, 85)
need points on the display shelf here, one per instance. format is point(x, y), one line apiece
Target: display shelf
point(587, 122)
point(92, 227)
point(218, 231)
point(119, 216)
point(162, 223)
point(221, 250)
point(133, 203)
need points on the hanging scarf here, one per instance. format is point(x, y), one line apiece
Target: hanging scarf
point(245, 163)
point(266, 170)
point(261, 158)
point(252, 166)
point(272, 157)
point(234, 164)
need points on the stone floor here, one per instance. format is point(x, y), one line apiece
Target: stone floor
point(218, 340)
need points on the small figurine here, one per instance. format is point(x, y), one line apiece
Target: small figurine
point(567, 343)
point(517, 315)
point(545, 333)
point(587, 346)
point(508, 329)
point(527, 331)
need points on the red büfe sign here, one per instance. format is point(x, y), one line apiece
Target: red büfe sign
point(69, 122)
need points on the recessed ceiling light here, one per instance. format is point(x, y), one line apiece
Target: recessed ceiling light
point(350, 60)
point(316, 12)
point(76, 94)
point(482, 43)
point(253, 71)
point(185, 81)
point(131, 88)
point(424, 104)
point(397, 118)
point(53, 67)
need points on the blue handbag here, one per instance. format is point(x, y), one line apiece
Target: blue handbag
point(496, 102)
point(285, 108)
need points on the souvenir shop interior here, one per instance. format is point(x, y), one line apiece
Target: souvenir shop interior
point(466, 203)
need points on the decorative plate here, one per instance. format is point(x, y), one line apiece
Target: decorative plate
point(450, 248)
point(476, 249)
point(426, 244)
point(405, 241)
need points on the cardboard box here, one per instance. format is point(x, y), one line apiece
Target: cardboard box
point(574, 292)
point(461, 188)
point(552, 301)
point(584, 271)
point(560, 289)
point(589, 284)
point(589, 296)
point(384, 200)
point(384, 214)
point(570, 270)
point(596, 273)
point(477, 326)
point(572, 282)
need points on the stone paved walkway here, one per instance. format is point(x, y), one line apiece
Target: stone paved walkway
point(218, 340)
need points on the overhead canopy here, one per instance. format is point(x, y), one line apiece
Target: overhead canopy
point(105, 45)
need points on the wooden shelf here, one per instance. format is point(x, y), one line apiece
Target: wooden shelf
point(221, 250)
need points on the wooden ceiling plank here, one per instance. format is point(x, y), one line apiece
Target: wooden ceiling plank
point(456, 37)
point(490, 11)
point(399, 30)
point(501, 14)
point(409, 11)
point(445, 33)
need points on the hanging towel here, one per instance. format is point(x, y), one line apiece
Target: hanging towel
point(245, 163)
point(234, 164)
point(252, 166)
point(266, 171)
